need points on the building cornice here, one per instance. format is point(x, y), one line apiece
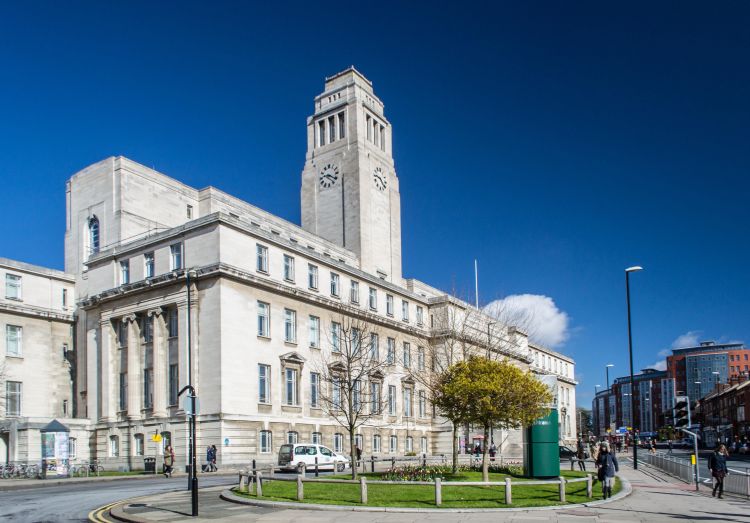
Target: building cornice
point(37, 312)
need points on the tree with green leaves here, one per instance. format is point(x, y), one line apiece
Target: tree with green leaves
point(491, 394)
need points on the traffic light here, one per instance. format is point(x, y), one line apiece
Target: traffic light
point(681, 412)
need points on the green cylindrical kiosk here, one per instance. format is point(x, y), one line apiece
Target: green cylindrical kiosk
point(541, 448)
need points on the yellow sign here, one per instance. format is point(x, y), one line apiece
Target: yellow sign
point(692, 459)
point(156, 438)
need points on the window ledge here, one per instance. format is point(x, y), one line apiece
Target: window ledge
point(290, 343)
point(14, 356)
point(262, 337)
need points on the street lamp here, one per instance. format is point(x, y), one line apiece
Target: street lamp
point(630, 350)
point(607, 369)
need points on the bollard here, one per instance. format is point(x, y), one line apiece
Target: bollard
point(562, 488)
point(259, 484)
point(253, 465)
point(438, 491)
point(424, 460)
point(393, 462)
point(372, 463)
point(363, 490)
point(508, 492)
point(316, 467)
point(300, 488)
point(572, 466)
point(240, 485)
point(589, 486)
point(501, 462)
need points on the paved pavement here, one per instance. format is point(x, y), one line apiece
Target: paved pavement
point(655, 497)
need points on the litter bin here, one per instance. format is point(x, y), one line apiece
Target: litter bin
point(149, 465)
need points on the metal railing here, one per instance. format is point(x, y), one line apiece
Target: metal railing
point(736, 482)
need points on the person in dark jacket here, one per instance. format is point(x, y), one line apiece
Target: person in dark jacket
point(717, 464)
point(607, 466)
point(581, 454)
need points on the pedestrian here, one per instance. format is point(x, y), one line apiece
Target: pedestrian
point(493, 451)
point(652, 446)
point(207, 466)
point(717, 464)
point(619, 444)
point(168, 461)
point(214, 451)
point(358, 452)
point(607, 466)
point(669, 446)
point(581, 455)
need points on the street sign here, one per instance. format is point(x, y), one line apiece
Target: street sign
point(187, 405)
point(156, 438)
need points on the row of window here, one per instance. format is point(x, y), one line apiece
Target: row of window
point(289, 275)
point(266, 442)
point(736, 357)
point(138, 447)
point(148, 387)
point(175, 263)
point(375, 131)
point(146, 325)
point(737, 368)
point(544, 361)
point(362, 399)
point(14, 289)
point(331, 129)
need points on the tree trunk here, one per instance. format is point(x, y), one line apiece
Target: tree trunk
point(454, 468)
point(485, 454)
point(353, 448)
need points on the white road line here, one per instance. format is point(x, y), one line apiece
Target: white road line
point(738, 472)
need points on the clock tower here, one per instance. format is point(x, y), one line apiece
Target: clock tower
point(350, 192)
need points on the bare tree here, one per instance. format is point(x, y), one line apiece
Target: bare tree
point(351, 376)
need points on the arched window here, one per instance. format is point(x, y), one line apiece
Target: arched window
point(93, 235)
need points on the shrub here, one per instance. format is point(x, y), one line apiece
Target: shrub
point(416, 473)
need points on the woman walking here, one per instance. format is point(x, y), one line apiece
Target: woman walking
point(607, 465)
point(717, 464)
point(168, 461)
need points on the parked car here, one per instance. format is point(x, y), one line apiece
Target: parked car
point(567, 452)
point(299, 456)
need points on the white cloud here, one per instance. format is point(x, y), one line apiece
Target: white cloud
point(689, 339)
point(659, 365)
point(535, 314)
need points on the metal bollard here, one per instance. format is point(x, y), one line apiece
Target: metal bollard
point(393, 462)
point(253, 465)
point(508, 492)
point(372, 463)
point(562, 488)
point(424, 459)
point(317, 472)
point(438, 491)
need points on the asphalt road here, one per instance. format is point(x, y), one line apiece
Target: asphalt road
point(74, 502)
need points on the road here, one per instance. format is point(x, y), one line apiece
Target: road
point(74, 502)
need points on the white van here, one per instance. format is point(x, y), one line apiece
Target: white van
point(301, 456)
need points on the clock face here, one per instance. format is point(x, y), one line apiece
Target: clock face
point(328, 176)
point(380, 179)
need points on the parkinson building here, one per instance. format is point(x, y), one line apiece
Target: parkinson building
point(174, 283)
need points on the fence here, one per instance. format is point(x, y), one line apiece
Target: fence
point(252, 482)
point(736, 482)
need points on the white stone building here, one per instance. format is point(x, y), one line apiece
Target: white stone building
point(36, 318)
point(549, 362)
point(160, 267)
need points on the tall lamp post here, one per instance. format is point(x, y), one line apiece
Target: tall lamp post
point(607, 370)
point(630, 351)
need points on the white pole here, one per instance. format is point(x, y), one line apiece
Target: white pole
point(476, 283)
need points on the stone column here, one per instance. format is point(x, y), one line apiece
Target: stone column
point(134, 367)
point(160, 362)
point(107, 371)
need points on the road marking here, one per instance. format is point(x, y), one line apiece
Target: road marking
point(97, 515)
point(739, 472)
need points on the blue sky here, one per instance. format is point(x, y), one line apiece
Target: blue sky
point(557, 142)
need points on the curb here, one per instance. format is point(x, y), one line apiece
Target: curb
point(229, 496)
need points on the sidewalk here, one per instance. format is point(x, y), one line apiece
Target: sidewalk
point(655, 497)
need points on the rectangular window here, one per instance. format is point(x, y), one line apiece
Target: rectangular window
point(123, 391)
point(65, 298)
point(288, 268)
point(12, 398)
point(368, 126)
point(147, 325)
point(404, 310)
point(389, 305)
point(334, 284)
point(292, 397)
point(264, 319)
point(314, 390)
point(393, 445)
point(356, 341)
point(148, 265)
point(422, 404)
point(392, 400)
point(375, 400)
point(357, 395)
point(373, 299)
point(317, 438)
point(375, 133)
point(354, 292)
point(314, 332)
point(374, 347)
point(65, 408)
point(409, 444)
point(382, 138)
point(336, 393)
point(261, 264)
point(331, 129)
point(172, 323)
point(338, 442)
point(138, 444)
point(124, 272)
point(312, 277)
point(122, 334)
point(407, 355)
point(423, 445)
point(376, 443)
point(336, 337)
point(420, 359)
point(174, 382)
point(321, 133)
point(72, 448)
point(265, 441)
point(391, 351)
point(342, 124)
point(148, 389)
point(290, 326)
point(13, 340)
point(292, 436)
point(12, 287)
point(264, 383)
point(189, 209)
point(420, 315)
point(407, 402)
point(114, 446)
point(176, 256)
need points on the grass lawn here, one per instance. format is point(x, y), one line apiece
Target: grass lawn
point(423, 496)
